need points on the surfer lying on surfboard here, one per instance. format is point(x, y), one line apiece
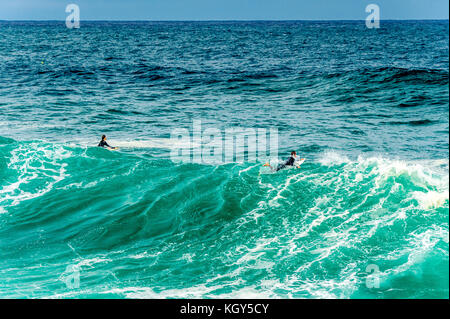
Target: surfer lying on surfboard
point(104, 144)
point(290, 162)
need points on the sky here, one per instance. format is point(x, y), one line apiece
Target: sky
point(222, 9)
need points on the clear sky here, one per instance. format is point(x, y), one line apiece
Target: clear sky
point(222, 9)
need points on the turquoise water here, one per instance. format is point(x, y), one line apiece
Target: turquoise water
point(367, 108)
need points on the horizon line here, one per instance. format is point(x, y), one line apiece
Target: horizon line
point(215, 20)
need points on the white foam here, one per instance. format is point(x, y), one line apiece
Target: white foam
point(431, 199)
point(330, 158)
point(157, 142)
point(34, 161)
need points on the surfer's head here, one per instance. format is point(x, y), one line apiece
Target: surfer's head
point(293, 153)
point(103, 137)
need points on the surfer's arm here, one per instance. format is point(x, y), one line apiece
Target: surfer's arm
point(110, 147)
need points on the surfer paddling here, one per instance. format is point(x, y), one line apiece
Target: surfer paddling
point(291, 161)
point(104, 144)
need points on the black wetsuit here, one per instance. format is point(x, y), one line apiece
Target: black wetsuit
point(103, 144)
point(289, 162)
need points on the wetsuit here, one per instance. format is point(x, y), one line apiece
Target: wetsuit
point(103, 144)
point(289, 162)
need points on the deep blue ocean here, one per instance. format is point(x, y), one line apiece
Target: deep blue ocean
point(366, 216)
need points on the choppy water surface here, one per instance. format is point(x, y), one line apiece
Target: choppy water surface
point(368, 108)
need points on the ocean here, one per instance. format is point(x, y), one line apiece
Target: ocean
point(366, 215)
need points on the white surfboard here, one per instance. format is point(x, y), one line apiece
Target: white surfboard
point(300, 162)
